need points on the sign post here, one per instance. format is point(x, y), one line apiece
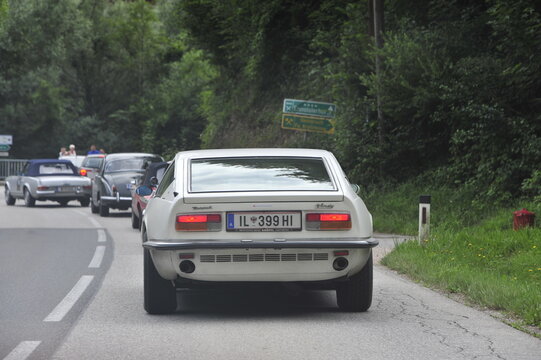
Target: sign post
point(305, 115)
point(424, 218)
point(5, 144)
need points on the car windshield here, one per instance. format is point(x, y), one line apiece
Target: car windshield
point(56, 169)
point(260, 174)
point(131, 164)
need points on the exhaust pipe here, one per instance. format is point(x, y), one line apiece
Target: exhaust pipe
point(340, 263)
point(187, 267)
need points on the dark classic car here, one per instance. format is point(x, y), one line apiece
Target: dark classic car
point(143, 191)
point(48, 179)
point(111, 187)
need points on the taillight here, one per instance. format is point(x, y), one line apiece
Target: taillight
point(328, 221)
point(42, 188)
point(87, 187)
point(114, 189)
point(82, 172)
point(198, 222)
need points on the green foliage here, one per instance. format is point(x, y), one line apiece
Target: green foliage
point(173, 113)
point(458, 86)
point(492, 265)
point(4, 8)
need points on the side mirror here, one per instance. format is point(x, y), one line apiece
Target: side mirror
point(356, 188)
point(154, 181)
point(143, 190)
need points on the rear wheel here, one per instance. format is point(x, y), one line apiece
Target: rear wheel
point(93, 208)
point(84, 202)
point(10, 200)
point(134, 220)
point(104, 209)
point(29, 200)
point(160, 295)
point(355, 295)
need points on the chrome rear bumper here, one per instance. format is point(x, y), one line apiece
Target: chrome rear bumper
point(334, 243)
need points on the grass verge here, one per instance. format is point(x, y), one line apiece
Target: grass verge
point(472, 251)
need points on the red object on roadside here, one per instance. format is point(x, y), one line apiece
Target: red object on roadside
point(523, 218)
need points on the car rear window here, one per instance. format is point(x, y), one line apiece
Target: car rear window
point(56, 169)
point(93, 162)
point(129, 164)
point(260, 174)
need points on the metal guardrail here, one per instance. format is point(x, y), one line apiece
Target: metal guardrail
point(11, 167)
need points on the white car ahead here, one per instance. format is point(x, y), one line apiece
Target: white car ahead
point(256, 215)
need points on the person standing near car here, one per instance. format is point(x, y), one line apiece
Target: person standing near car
point(93, 150)
point(63, 152)
point(72, 151)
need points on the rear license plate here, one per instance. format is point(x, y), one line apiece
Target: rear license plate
point(264, 221)
point(64, 188)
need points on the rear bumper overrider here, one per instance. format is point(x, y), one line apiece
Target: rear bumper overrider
point(118, 200)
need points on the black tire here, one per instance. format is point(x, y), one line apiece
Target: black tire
point(104, 210)
point(10, 200)
point(134, 220)
point(355, 295)
point(160, 295)
point(63, 203)
point(84, 202)
point(93, 208)
point(29, 200)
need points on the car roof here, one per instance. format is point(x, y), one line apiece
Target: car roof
point(251, 152)
point(48, 161)
point(129, 155)
point(34, 164)
point(95, 155)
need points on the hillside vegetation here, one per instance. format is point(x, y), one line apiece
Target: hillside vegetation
point(459, 83)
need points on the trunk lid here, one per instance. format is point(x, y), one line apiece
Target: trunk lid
point(63, 180)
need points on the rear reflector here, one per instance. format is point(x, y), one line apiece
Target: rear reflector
point(341, 252)
point(199, 222)
point(328, 221)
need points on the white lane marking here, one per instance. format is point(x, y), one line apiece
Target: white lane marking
point(101, 236)
point(23, 350)
point(95, 222)
point(98, 257)
point(67, 303)
point(90, 218)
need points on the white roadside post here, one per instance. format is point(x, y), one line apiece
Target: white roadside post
point(424, 218)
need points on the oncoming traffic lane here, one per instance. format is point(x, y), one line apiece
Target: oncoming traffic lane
point(48, 277)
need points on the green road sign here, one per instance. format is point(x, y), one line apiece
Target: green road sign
point(309, 108)
point(307, 123)
point(4, 147)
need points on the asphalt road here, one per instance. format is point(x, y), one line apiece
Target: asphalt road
point(406, 320)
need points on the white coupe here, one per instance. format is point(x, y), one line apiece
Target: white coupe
point(257, 215)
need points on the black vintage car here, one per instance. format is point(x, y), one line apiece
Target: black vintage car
point(111, 188)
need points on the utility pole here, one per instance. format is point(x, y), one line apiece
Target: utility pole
point(376, 15)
